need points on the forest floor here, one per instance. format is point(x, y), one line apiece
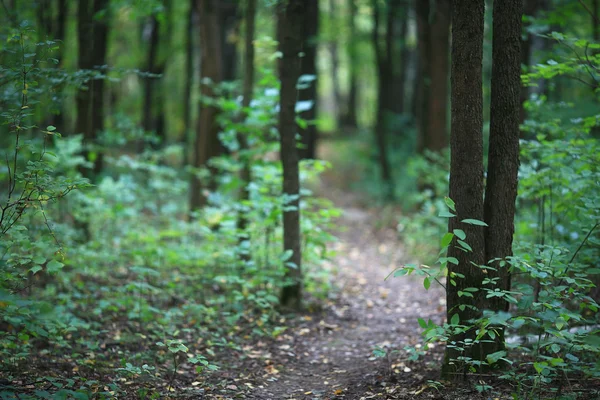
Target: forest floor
point(330, 354)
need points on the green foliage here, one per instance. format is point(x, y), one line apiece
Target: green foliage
point(120, 265)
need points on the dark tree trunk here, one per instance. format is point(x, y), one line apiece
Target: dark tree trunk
point(503, 155)
point(422, 9)
point(433, 50)
point(292, 17)
point(207, 141)
point(247, 88)
point(466, 167)
point(596, 20)
point(335, 67)
point(228, 22)
point(189, 79)
point(151, 33)
point(92, 37)
point(350, 118)
point(400, 73)
point(437, 130)
point(383, 44)
point(309, 67)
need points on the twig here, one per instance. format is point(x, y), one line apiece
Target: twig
point(594, 16)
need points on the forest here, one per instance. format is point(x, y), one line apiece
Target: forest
point(300, 199)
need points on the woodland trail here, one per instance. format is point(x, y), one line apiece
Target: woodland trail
point(331, 356)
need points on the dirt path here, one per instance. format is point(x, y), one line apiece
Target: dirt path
point(333, 359)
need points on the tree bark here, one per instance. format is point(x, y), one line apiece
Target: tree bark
point(247, 89)
point(503, 155)
point(466, 169)
point(335, 67)
point(350, 118)
point(92, 39)
point(383, 45)
point(309, 67)
point(189, 79)
point(207, 141)
point(596, 20)
point(292, 17)
point(433, 49)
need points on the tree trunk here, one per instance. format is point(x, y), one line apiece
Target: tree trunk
point(247, 88)
point(189, 80)
point(335, 67)
point(309, 67)
point(228, 22)
point(92, 37)
point(466, 169)
point(400, 74)
point(207, 141)
point(437, 129)
point(151, 33)
point(433, 50)
point(596, 20)
point(350, 118)
point(292, 17)
point(422, 9)
point(385, 66)
point(503, 155)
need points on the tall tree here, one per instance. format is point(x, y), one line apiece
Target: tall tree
point(247, 89)
point(292, 15)
point(503, 154)
point(433, 31)
point(309, 89)
point(335, 63)
point(153, 113)
point(466, 167)
point(189, 75)
point(350, 117)
point(494, 243)
point(92, 39)
point(382, 37)
point(401, 65)
point(207, 141)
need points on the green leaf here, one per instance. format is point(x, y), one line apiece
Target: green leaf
point(447, 239)
point(455, 319)
point(460, 234)
point(427, 283)
point(54, 266)
point(474, 222)
point(422, 323)
point(450, 203)
point(464, 245)
point(495, 357)
point(446, 214)
point(50, 128)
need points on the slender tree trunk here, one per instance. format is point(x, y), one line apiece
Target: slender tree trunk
point(99, 60)
point(335, 67)
point(351, 119)
point(398, 106)
point(59, 34)
point(189, 80)
point(207, 142)
point(466, 169)
point(596, 20)
point(151, 33)
point(437, 130)
point(422, 9)
point(433, 49)
point(292, 20)
point(247, 88)
point(503, 155)
point(384, 58)
point(92, 37)
point(309, 67)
